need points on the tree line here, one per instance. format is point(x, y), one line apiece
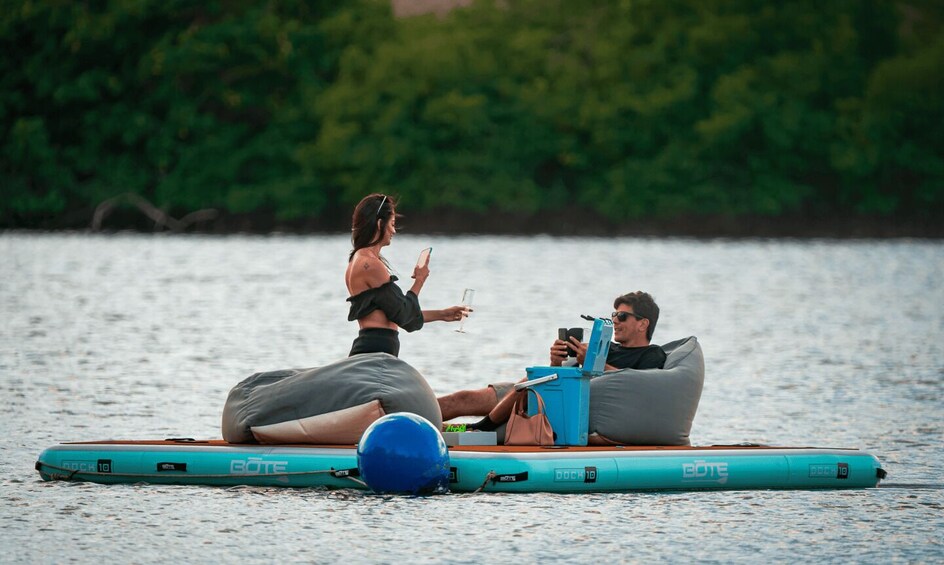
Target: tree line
point(289, 112)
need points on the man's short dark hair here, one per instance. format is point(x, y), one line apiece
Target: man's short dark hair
point(643, 304)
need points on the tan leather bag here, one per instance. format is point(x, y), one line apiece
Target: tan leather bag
point(528, 430)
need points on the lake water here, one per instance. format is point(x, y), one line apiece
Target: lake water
point(836, 344)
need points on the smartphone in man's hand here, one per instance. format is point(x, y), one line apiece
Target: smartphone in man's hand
point(565, 334)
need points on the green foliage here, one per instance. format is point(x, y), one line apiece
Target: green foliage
point(634, 108)
point(895, 156)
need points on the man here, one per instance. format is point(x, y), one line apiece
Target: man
point(634, 321)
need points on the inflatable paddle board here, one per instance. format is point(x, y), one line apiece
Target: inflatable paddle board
point(473, 468)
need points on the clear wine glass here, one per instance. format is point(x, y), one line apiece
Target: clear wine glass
point(467, 296)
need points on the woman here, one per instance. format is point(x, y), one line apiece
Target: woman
point(377, 303)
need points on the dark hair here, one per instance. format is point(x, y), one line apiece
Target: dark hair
point(643, 304)
point(364, 229)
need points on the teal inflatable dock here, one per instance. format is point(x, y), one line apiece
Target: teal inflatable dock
point(473, 468)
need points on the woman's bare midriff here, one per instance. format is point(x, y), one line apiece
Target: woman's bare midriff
point(376, 319)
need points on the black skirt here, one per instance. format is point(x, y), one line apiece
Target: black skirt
point(376, 340)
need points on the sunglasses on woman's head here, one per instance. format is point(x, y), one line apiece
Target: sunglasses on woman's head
point(623, 316)
point(379, 208)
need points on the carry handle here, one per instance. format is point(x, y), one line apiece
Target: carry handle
point(540, 408)
point(529, 384)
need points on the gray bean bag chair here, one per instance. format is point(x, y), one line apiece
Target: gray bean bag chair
point(651, 406)
point(333, 404)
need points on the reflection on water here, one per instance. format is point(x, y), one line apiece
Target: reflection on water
point(825, 343)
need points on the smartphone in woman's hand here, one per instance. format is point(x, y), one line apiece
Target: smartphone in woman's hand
point(424, 257)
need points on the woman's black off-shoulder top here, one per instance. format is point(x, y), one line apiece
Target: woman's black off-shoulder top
point(401, 309)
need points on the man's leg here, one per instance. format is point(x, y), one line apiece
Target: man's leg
point(468, 403)
point(502, 411)
point(494, 402)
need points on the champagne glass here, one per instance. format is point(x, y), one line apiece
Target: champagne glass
point(467, 296)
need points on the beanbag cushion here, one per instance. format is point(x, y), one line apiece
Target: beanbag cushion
point(651, 406)
point(333, 404)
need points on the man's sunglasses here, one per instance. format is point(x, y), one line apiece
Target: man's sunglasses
point(623, 316)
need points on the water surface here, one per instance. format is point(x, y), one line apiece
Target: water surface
point(806, 343)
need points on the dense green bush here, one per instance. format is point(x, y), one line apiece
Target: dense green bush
point(296, 109)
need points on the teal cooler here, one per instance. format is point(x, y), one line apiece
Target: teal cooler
point(566, 390)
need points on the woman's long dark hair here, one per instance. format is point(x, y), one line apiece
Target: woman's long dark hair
point(364, 229)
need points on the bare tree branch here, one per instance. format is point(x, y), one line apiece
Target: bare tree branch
point(161, 219)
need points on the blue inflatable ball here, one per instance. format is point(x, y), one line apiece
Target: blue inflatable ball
point(403, 453)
